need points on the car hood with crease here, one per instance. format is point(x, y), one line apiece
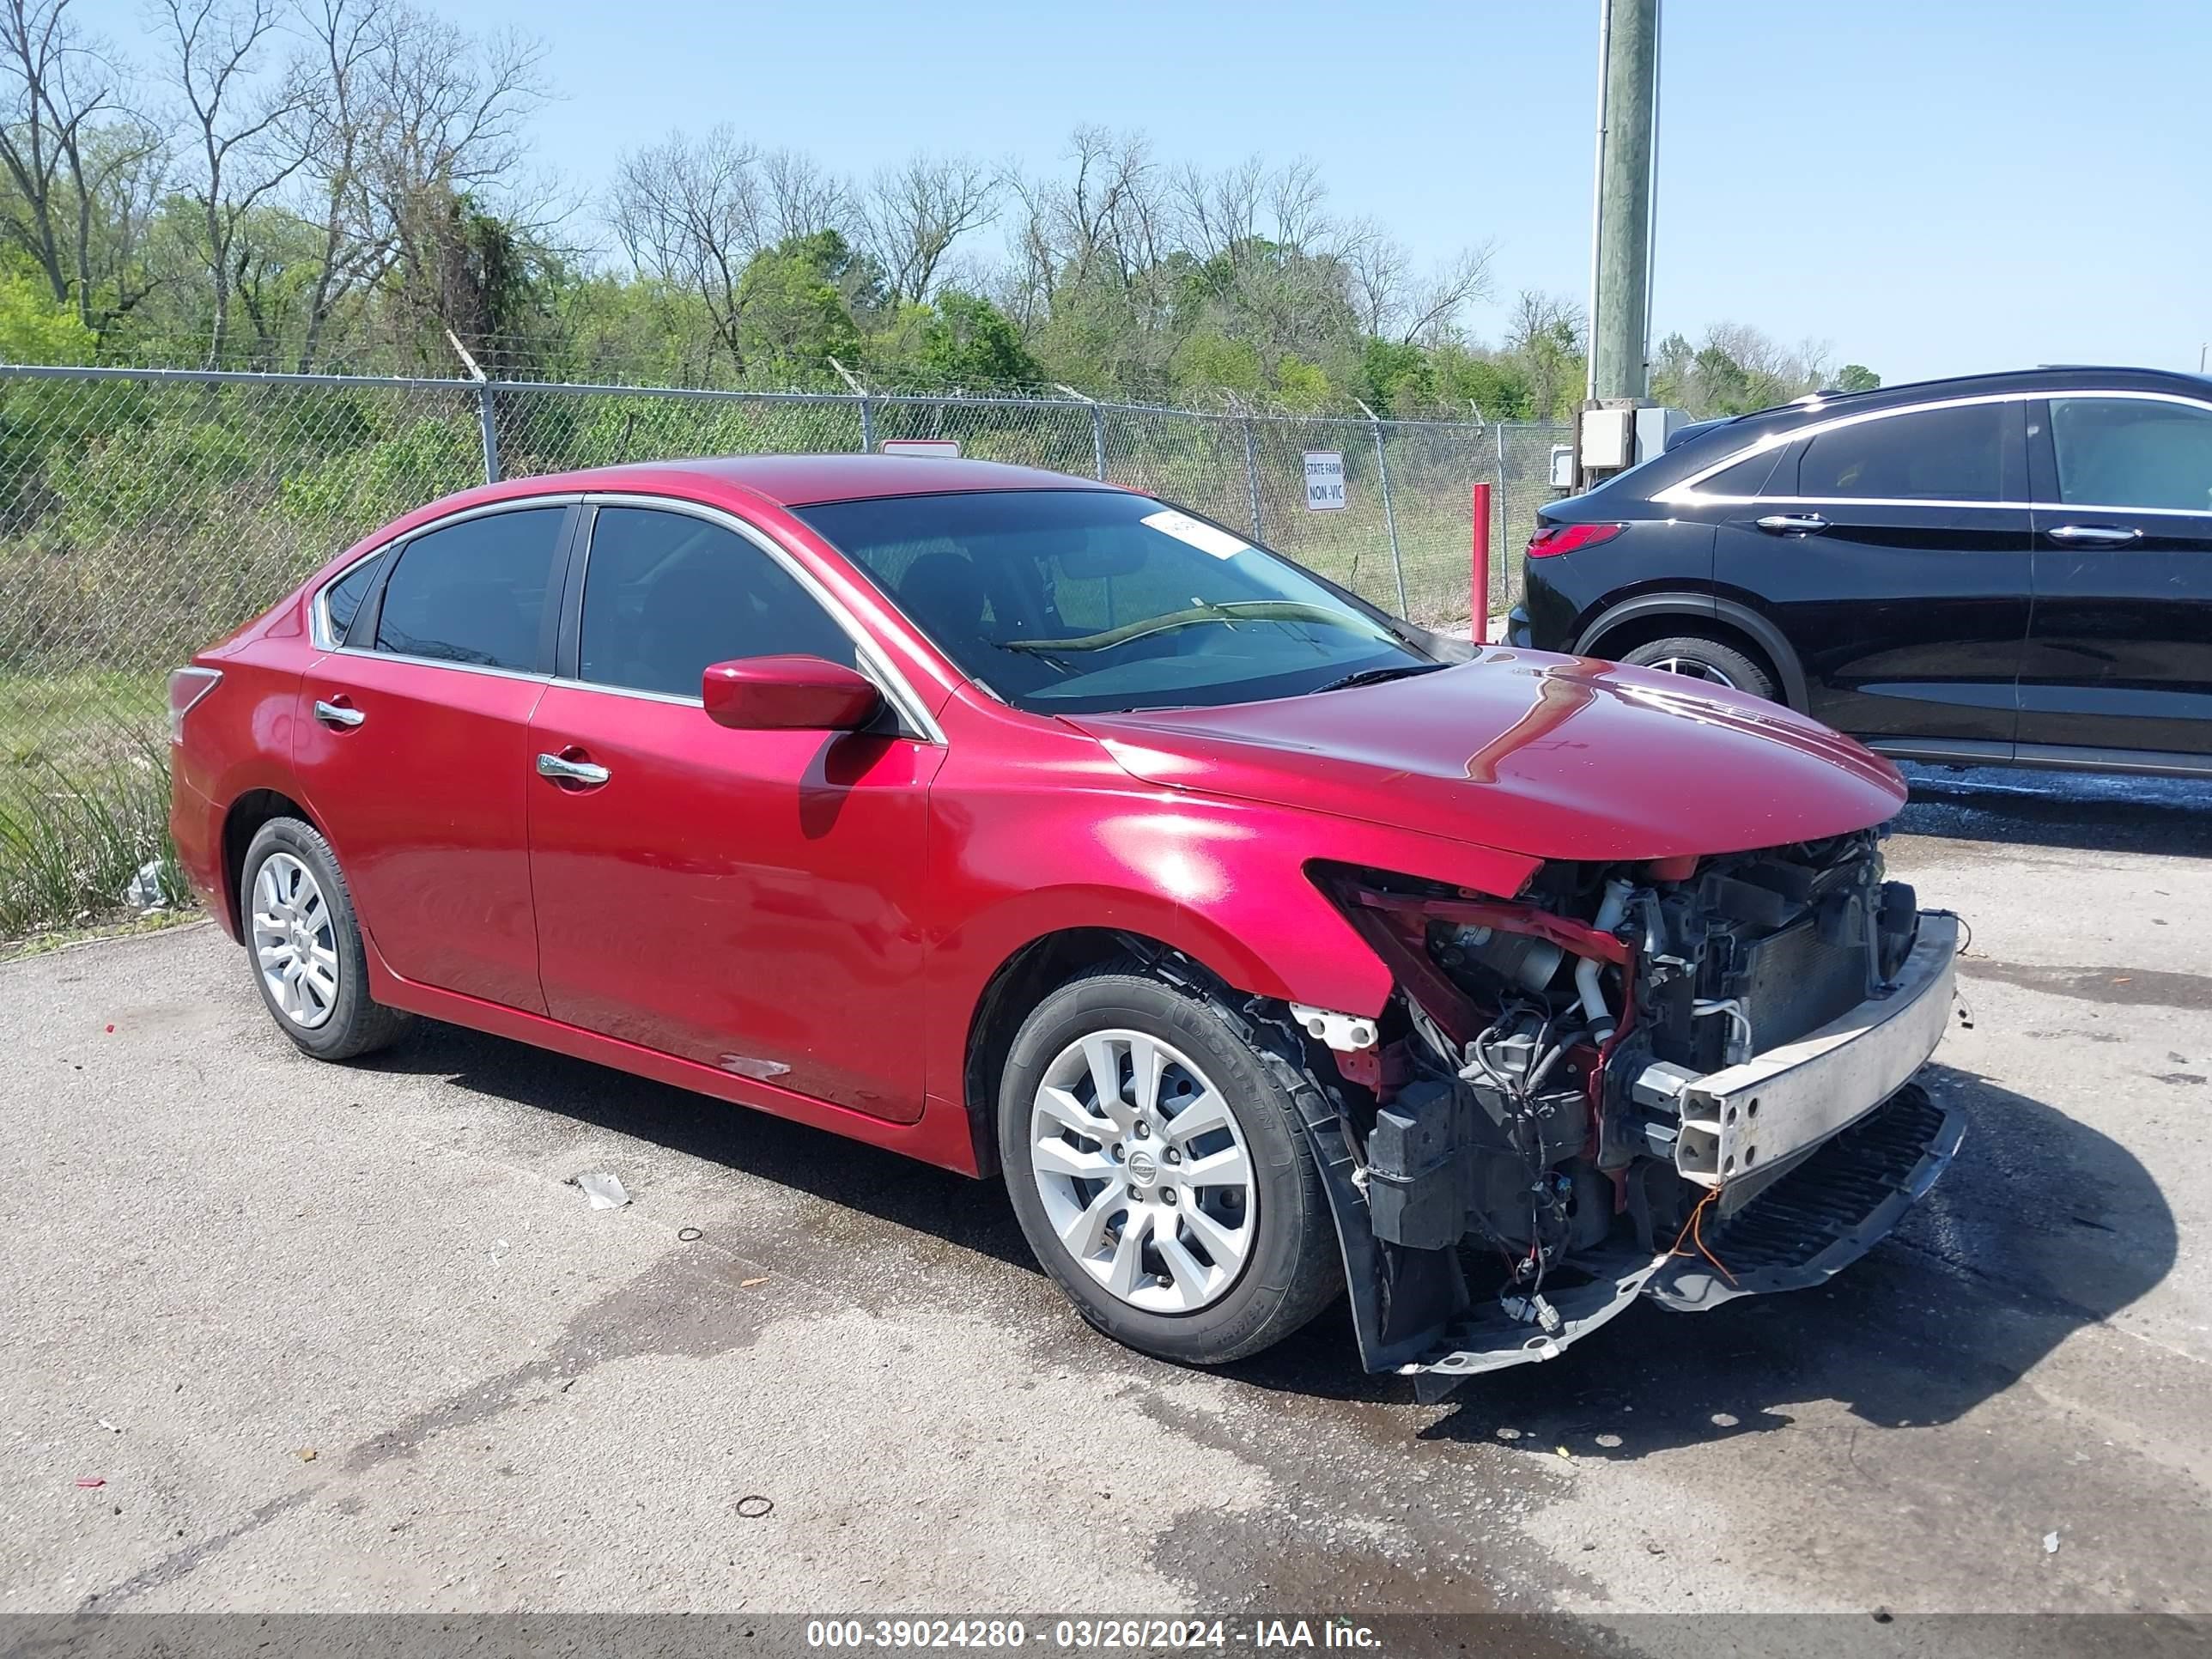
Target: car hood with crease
point(1556, 757)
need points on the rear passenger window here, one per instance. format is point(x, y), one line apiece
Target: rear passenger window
point(474, 593)
point(667, 595)
point(1932, 454)
point(1747, 478)
point(341, 599)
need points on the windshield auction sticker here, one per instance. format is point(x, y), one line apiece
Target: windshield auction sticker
point(1205, 538)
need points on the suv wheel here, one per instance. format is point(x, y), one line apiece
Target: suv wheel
point(1156, 1163)
point(298, 920)
point(1696, 657)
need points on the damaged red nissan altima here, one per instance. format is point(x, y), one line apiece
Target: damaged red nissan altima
point(1270, 947)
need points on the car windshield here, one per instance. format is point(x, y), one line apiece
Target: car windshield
point(1074, 601)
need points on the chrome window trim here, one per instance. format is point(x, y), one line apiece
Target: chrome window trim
point(872, 662)
point(319, 623)
point(445, 662)
point(1686, 493)
point(1846, 500)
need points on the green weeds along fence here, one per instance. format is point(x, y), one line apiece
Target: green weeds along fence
point(143, 513)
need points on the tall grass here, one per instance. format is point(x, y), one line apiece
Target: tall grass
point(70, 839)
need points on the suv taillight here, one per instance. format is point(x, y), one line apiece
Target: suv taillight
point(1554, 539)
point(187, 687)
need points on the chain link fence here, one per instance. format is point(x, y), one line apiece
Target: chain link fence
point(144, 513)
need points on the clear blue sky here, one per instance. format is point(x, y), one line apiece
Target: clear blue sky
point(1933, 187)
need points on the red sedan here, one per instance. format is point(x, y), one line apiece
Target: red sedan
point(1268, 945)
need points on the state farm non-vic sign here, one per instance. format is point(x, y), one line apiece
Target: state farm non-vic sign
point(1324, 481)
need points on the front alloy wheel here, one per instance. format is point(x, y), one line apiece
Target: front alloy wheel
point(1144, 1175)
point(1152, 1135)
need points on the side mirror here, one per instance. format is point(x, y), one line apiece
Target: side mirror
point(788, 694)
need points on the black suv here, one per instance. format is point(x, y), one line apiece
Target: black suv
point(2005, 568)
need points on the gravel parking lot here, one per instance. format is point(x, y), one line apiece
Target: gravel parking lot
point(344, 1338)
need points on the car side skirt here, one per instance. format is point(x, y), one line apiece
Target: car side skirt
point(2049, 756)
point(940, 1136)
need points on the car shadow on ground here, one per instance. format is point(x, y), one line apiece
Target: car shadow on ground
point(2043, 1225)
point(2014, 807)
point(895, 1189)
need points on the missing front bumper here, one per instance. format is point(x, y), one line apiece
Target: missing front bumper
point(1825, 1213)
point(1739, 1126)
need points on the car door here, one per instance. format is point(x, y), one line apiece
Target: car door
point(2120, 649)
point(1891, 550)
point(747, 900)
point(413, 742)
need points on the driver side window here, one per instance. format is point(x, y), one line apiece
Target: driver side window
point(667, 595)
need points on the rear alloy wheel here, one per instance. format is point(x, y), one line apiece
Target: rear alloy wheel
point(297, 915)
point(1696, 657)
point(295, 942)
point(1155, 1160)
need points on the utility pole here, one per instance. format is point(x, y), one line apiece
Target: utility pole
point(1628, 126)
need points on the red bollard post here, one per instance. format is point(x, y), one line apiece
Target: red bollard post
point(1479, 606)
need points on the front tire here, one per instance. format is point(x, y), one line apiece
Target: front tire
point(1157, 1165)
point(296, 916)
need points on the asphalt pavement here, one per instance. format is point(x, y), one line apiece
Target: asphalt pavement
point(346, 1339)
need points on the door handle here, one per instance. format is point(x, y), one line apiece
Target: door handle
point(338, 714)
point(1793, 524)
point(2094, 535)
point(564, 770)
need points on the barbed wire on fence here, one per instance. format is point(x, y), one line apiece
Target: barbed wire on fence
point(144, 512)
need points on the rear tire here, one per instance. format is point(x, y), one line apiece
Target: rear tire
point(1696, 658)
point(303, 942)
point(1200, 1268)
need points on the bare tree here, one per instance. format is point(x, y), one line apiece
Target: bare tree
point(912, 215)
point(237, 126)
point(1378, 271)
point(1395, 303)
point(332, 130)
point(693, 213)
point(450, 111)
point(1434, 305)
point(1549, 336)
point(1217, 215)
point(399, 116)
point(82, 162)
point(797, 198)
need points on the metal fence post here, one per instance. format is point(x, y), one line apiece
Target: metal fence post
point(490, 428)
point(867, 414)
point(1501, 529)
point(485, 424)
point(1252, 476)
point(1097, 430)
point(1390, 517)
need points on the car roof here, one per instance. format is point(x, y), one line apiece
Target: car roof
point(784, 480)
point(2051, 377)
point(1700, 443)
point(810, 480)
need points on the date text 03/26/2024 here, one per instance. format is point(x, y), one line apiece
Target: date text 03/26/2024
point(1103, 1635)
